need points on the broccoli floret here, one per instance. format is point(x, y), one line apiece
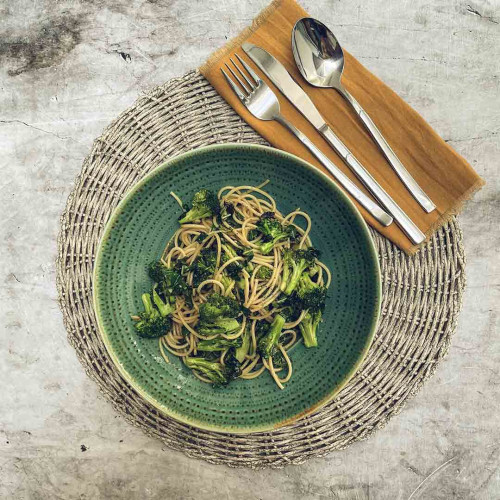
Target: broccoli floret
point(204, 266)
point(218, 344)
point(218, 315)
point(152, 324)
point(253, 234)
point(312, 297)
point(218, 306)
point(164, 308)
point(279, 360)
point(234, 269)
point(204, 204)
point(226, 214)
point(290, 307)
point(297, 262)
point(261, 328)
point(243, 349)
point(233, 366)
point(216, 372)
point(170, 282)
point(308, 327)
point(218, 326)
point(267, 344)
point(272, 230)
point(264, 273)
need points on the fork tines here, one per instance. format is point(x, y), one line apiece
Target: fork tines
point(250, 85)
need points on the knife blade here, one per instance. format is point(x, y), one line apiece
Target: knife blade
point(280, 77)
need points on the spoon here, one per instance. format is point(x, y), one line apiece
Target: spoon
point(320, 60)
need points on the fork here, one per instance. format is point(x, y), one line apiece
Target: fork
point(261, 101)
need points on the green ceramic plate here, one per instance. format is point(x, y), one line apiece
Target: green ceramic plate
point(137, 234)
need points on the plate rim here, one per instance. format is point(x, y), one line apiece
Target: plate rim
point(131, 380)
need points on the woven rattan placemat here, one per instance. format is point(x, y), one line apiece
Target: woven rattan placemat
point(422, 294)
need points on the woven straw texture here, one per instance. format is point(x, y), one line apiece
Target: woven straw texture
point(422, 294)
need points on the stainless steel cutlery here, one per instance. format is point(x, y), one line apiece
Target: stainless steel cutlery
point(320, 60)
point(280, 77)
point(261, 101)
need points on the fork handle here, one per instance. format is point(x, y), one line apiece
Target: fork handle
point(379, 214)
point(411, 184)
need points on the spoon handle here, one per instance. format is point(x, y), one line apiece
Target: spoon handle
point(411, 184)
point(403, 221)
point(380, 215)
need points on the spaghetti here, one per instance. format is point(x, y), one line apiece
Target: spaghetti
point(243, 255)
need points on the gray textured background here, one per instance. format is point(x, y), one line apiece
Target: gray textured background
point(67, 68)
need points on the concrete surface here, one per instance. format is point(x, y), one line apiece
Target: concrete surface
point(67, 68)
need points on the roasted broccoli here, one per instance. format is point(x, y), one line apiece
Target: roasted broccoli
point(218, 326)
point(272, 230)
point(218, 344)
point(308, 327)
point(296, 262)
point(218, 305)
point(226, 214)
point(312, 297)
point(233, 366)
point(268, 342)
point(152, 322)
point(264, 273)
point(218, 315)
point(164, 307)
point(204, 204)
point(290, 307)
point(213, 370)
point(243, 349)
point(279, 360)
point(204, 266)
point(170, 283)
point(216, 372)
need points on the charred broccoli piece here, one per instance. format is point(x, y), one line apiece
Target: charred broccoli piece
point(218, 306)
point(310, 294)
point(226, 214)
point(218, 326)
point(308, 328)
point(312, 297)
point(268, 342)
point(170, 282)
point(213, 370)
point(204, 266)
point(264, 273)
point(279, 360)
point(153, 323)
point(218, 315)
point(296, 262)
point(218, 373)
point(272, 230)
point(218, 344)
point(204, 204)
point(243, 349)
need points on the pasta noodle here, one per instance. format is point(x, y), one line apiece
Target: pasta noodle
point(234, 241)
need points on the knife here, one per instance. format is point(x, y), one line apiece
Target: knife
point(280, 77)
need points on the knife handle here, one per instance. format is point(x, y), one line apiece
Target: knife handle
point(411, 184)
point(403, 221)
point(379, 214)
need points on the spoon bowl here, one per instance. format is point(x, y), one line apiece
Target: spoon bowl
point(317, 53)
point(320, 60)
